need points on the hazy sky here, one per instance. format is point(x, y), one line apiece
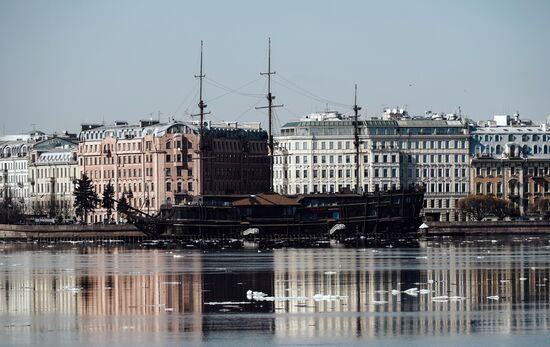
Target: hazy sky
point(67, 62)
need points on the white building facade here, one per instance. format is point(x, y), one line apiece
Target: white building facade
point(52, 172)
point(14, 174)
point(317, 154)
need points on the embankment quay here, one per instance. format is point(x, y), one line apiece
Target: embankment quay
point(485, 228)
point(129, 233)
point(123, 232)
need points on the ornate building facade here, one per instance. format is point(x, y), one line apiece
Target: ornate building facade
point(317, 154)
point(154, 163)
point(52, 171)
point(511, 160)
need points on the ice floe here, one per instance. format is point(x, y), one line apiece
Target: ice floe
point(261, 296)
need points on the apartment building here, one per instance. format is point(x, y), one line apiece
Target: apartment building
point(154, 163)
point(511, 160)
point(14, 174)
point(52, 171)
point(316, 154)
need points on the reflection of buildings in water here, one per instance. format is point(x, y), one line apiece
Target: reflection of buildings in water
point(134, 283)
point(156, 285)
point(32, 282)
point(366, 276)
point(477, 271)
point(145, 291)
point(354, 273)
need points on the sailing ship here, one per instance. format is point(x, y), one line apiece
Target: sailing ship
point(269, 215)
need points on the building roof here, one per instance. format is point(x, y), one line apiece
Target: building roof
point(61, 156)
point(266, 199)
point(510, 130)
point(432, 123)
point(145, 128)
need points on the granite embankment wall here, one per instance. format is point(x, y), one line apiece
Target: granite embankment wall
point(68, 232)
point(487, 228)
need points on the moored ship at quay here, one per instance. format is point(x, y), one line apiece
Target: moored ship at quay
point(288, 217)
point(216, 190)
point(269, 215)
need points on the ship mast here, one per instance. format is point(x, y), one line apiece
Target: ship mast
point(269, 107)
point(356, 143)
point(201, 105)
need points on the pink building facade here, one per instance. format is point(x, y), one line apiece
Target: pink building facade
point(151, 164)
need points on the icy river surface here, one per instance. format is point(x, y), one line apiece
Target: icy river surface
point(436, 292)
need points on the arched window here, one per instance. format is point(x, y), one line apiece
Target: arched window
point(545, 149)
point(489, 188)
point(498, 149)
point(526, 150)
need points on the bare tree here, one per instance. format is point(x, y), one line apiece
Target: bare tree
point(479, 207)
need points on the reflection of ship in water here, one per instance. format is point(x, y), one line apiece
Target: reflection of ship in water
point(113, 289)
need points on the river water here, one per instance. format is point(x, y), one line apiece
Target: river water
point(468, 292)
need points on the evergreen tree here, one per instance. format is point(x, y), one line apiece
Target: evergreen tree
point(85, 197)
point(108, 202)
point(122, 206)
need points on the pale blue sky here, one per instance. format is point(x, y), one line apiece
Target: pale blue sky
point(67, 62)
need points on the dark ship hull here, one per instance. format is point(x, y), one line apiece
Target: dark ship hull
point(279, 217)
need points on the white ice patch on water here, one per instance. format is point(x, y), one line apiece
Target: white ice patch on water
point(411, 291)
point(71, 289)
point(261, 296)
point(441, 297)
point(379, 302)
point(212, 303)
